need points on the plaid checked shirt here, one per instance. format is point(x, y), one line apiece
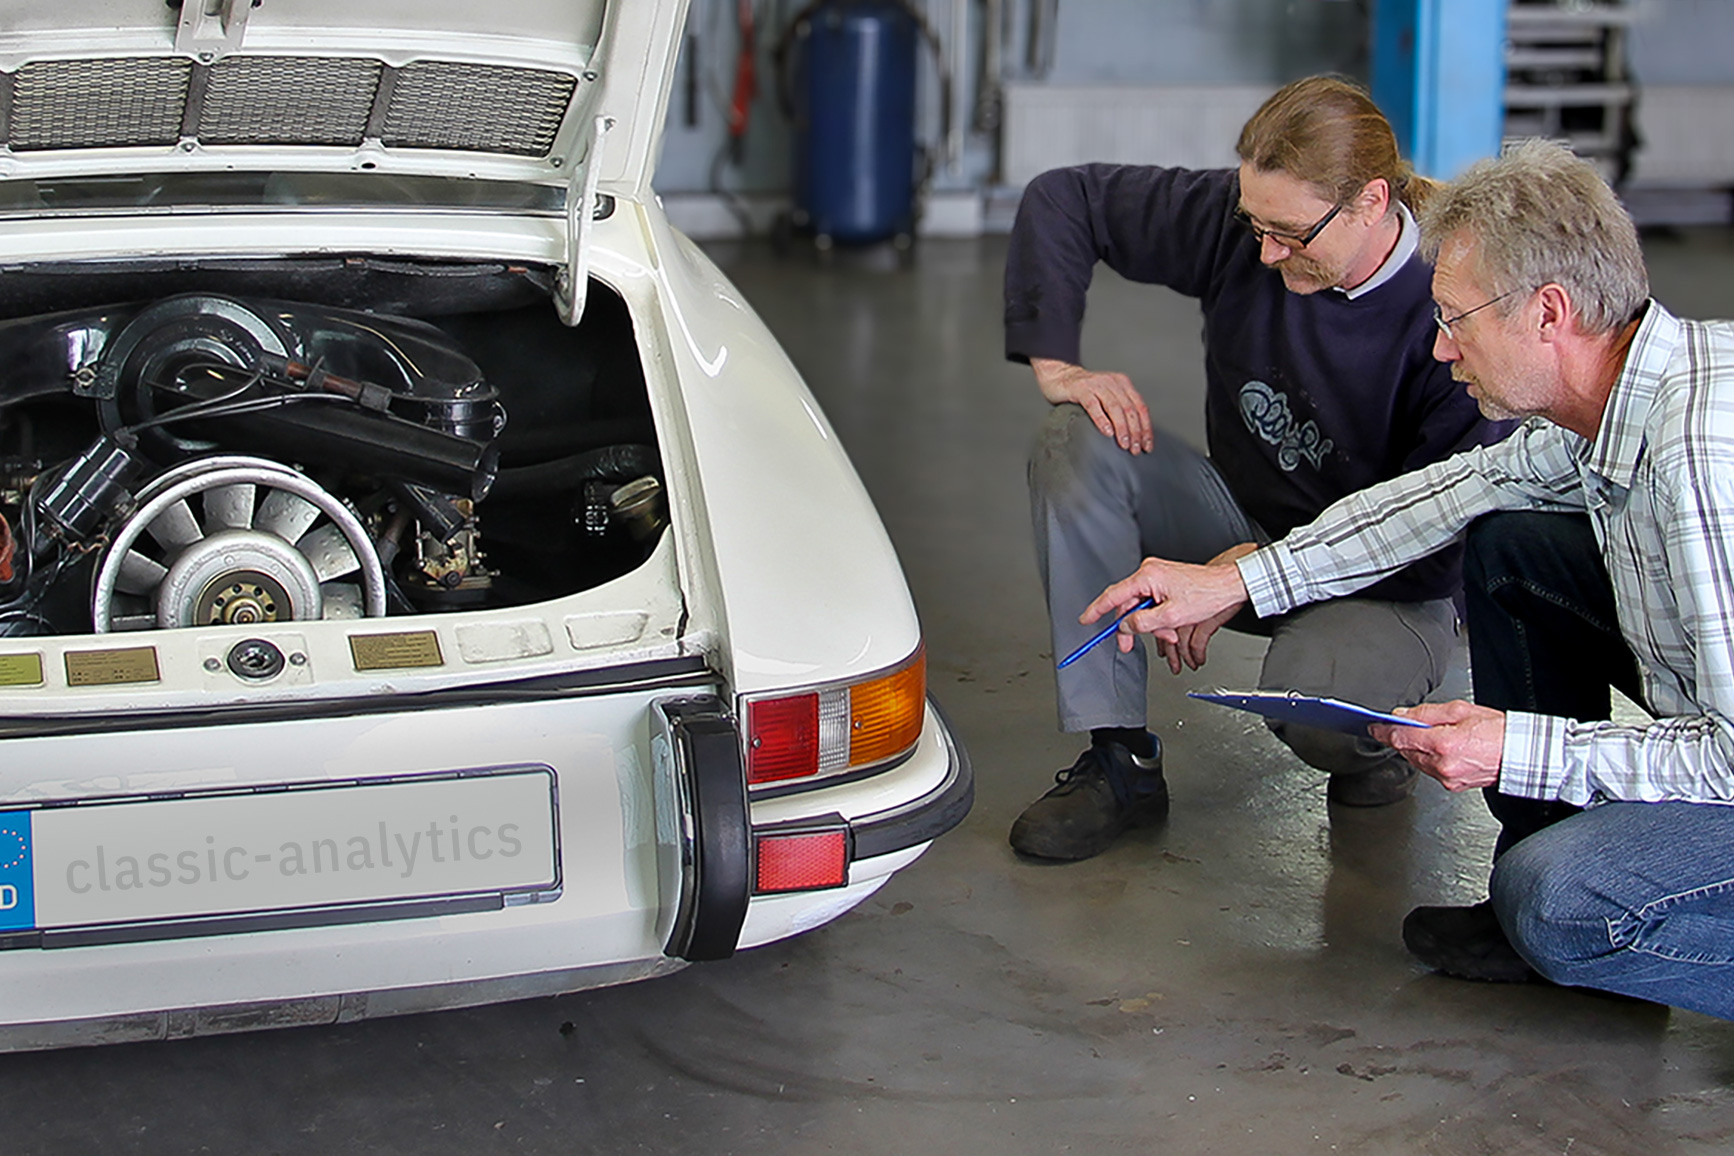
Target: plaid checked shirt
point(1658, 485)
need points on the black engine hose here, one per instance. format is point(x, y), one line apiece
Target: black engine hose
point(621, 462)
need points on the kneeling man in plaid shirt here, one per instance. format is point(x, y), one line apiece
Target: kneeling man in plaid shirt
point(1600, 553)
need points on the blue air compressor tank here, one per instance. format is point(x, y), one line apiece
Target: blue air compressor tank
point(854, 121)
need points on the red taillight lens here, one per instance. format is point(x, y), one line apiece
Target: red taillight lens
point(782, 738)
point(802, 861)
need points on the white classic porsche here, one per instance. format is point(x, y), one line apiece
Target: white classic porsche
point(423, 579)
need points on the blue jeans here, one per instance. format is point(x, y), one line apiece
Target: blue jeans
point(1543, 635)
point(1635, 898)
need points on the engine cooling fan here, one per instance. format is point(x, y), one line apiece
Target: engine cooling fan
point(266, 544)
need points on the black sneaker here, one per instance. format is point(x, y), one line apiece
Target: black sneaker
point(1102, 794)
point(1391, 783)
point(1466, 942)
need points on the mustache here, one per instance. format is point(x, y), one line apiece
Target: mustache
point(1305, 266)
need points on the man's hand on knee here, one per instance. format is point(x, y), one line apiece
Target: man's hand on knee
point(1111, 400)
point(1461, 746)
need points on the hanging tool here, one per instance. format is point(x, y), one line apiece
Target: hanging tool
point(746, 83)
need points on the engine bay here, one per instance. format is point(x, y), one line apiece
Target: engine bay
point(209, 457)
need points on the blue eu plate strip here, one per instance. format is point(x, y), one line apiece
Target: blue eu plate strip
point(17, 873)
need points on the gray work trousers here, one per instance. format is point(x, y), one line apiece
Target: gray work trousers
point(1099, 511)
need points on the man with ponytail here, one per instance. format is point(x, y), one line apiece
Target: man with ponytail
point(1319, 381)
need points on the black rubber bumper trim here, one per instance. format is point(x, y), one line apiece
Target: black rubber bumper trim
point(709, 752)
point(928, 817)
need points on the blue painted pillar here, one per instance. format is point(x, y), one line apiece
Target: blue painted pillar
point(1438, 72)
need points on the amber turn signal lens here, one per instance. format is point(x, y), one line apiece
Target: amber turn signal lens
point(885, 714)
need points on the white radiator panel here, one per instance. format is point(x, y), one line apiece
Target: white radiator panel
point(1687, 135)
point(1047, 126)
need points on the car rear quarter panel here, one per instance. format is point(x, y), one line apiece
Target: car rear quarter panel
point(809, 584)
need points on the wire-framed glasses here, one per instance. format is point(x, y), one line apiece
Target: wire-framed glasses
point(1445, 323)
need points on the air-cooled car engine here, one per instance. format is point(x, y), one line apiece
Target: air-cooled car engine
point(244, 461)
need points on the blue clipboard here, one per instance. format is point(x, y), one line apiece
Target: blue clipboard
point(1331, 714)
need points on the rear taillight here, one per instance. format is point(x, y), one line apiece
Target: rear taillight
point(835, 729)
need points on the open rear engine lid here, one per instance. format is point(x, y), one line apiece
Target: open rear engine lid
point(386, 89)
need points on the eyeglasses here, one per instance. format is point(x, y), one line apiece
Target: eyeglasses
point(1287, 240)
point(1445, 323)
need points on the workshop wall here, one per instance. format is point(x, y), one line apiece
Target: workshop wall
point(1135, 42)
point(1676, 47)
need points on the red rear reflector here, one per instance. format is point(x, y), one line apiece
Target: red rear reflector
point(782, 738)
point(802, 861)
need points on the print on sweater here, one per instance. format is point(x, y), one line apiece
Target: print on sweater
point(1267, 414)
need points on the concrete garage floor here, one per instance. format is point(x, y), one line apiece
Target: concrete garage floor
point(1230, 983)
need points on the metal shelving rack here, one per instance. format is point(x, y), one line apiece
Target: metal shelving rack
point(1566, 78)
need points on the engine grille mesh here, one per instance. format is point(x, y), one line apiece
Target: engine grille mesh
point(69, 104)
point(288, 100)
point(443, 105)
point(284, 100)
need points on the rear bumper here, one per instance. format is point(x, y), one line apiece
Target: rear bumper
point(698, 769)
point(928, 817)
point(624, 885)
point(889, 833)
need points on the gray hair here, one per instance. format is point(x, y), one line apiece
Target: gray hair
point(1542, 215)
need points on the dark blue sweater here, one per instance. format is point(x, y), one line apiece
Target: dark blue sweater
point(1307, 398)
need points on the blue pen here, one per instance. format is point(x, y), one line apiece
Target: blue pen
point(1107, 630)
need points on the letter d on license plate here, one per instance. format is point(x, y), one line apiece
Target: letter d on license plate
point(17, 884)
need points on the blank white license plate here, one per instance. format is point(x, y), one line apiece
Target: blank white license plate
point(194, 860)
